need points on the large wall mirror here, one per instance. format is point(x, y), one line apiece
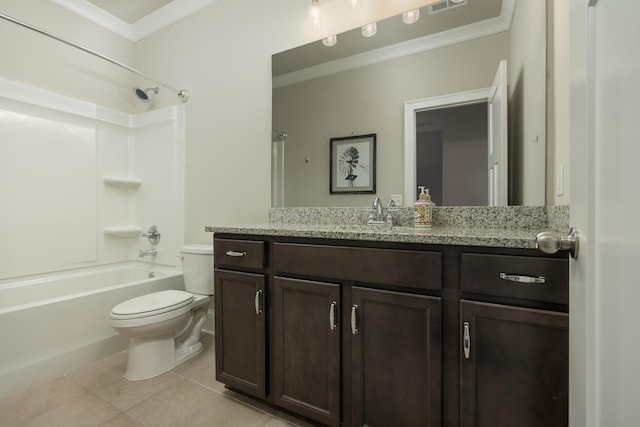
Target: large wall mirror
point(362, 85)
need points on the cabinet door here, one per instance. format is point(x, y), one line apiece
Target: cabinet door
point(396, 359)
point(306, 348)
point(514, 366)
point(240, 331)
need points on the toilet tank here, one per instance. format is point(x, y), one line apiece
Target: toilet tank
point(197, 268)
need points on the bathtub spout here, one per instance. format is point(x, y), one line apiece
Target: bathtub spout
point(148, 252)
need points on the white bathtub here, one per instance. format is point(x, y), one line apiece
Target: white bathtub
point(54, 324)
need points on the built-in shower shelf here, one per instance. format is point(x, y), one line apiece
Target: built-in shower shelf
point(125, 231)
point(122, 182)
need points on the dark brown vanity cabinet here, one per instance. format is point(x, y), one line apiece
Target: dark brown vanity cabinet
point(514, 368)
point(240, 320)
point(347, 333)
point(515, 359)
point(306, 348)
point(395, 359)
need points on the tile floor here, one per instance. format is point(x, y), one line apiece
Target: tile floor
point(99, 395)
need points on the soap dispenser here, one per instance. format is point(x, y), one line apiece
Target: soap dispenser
point(423, 209)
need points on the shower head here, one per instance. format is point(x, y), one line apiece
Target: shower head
point(142, 94)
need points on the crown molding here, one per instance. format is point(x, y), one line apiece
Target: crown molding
point(144, 27)
point(433, 41)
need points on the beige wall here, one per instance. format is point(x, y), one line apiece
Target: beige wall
point(221, 54)
point(371, 100)
point(36, 60)
point(527, 112)
point(560, 109)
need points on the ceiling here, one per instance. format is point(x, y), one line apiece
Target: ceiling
point(134, 19)
point(129, 11)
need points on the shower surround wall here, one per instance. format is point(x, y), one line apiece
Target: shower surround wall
point(58, 211)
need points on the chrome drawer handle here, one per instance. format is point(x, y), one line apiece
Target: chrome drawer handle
point(354, 320)
point(522, 279)
point(236, 253)
point(332, 316)
point(256, 301)
point(466, 340)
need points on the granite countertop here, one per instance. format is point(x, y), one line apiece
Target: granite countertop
point(441, 235)
point(506, 227)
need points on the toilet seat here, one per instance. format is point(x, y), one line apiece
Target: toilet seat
point(152, 304)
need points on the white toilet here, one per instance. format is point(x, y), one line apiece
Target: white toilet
point(164, 327)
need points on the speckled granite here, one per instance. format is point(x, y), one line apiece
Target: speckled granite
point(510, 227)
point(454, 216)
point(506, 238)
point(558, 217)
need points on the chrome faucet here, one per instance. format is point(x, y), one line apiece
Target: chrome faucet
point(377, 215)
point(376, 210)
point(148, 252)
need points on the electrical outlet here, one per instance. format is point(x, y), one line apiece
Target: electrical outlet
point(397, 199)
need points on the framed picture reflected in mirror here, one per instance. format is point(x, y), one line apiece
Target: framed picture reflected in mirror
point(353, 164)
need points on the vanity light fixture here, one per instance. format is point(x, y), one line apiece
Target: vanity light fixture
point(411, 16)
point(369, 30)
point(330, 40)
point(355, 4)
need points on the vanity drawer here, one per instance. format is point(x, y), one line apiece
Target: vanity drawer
point(239, 253)
point(531, 278)
point(418, 269)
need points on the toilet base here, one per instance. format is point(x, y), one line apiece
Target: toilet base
point(148, 359)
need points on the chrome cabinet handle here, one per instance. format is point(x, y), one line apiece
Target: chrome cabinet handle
point(256, 301)
point(332, 316)
point(354, 319)
point(236, 253)
point(466, 340)
point(521, 278)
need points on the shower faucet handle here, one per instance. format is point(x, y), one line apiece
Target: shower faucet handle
point(152, 234)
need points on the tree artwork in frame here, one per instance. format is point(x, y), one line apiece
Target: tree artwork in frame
point(353, 164)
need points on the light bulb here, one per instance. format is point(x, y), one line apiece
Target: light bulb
point(354, 4)
point(315, 9)
point(315, 13)
point(330, 40)
point(369, 30)
point(411, 16)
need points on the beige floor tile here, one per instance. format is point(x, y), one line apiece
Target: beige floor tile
point(231, 413)
point(124, 394)
point(291, 420)
point(175, 406)
point(279, 422)
point(84, 409)
point(122, 420)
point(30, 404)
point(201, 369)
point(102, 372)
point(250, 402)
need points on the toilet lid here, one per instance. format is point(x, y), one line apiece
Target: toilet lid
point(155, 303)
